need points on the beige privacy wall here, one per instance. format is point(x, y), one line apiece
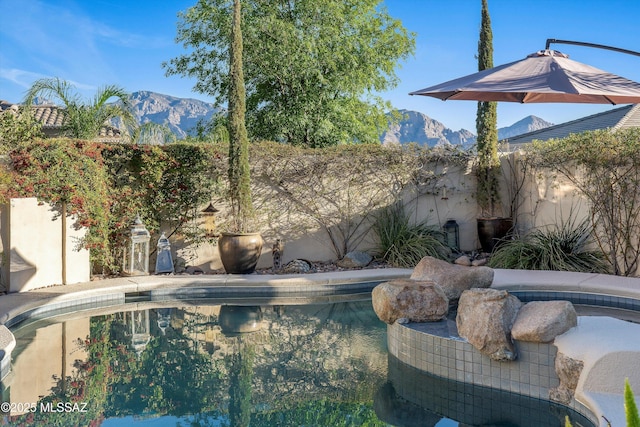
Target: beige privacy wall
point(535, 199)
point(39, 247)
point(32, 234)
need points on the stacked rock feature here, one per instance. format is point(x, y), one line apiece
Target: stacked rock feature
point(542, 321)
point(488, 319)
point(485, 317)
point(426, 296)
point(454, 279)
point(414, 300)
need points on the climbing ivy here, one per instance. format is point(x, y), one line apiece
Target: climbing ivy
point(104, 186)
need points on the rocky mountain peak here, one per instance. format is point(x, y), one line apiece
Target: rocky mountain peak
point(181, 115)
point(421, 129)
point(528, 124)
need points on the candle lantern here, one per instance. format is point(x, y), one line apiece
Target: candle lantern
point(209, 214)
point(164, 262)
point(136, 252)
point(140, 330)
point(452, 234)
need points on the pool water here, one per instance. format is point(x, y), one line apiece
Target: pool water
point(208, 363)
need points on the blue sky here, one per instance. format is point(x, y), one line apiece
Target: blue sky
point(98, 42)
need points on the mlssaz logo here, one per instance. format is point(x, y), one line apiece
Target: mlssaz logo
point(63, 407)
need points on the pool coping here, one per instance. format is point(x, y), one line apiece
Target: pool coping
point(15, 304)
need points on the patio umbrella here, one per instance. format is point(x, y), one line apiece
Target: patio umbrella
point(544, 76)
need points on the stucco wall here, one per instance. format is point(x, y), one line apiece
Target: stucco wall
point(32, 246)
point(535, 198)
point(32, 237)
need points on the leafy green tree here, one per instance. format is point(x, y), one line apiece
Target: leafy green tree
point(17, 127)
point(486, 127)
point(151, 133)
point(84, 119)
point(311, 68)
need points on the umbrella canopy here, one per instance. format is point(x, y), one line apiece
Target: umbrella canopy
point(544, 76)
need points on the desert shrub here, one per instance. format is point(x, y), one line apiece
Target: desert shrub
point(564, 247)
point(604, 167)
point(17, 127)
point(404, 244)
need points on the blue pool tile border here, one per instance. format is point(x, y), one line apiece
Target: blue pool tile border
point(532, 374)
point(580, 298)
point(66, 307)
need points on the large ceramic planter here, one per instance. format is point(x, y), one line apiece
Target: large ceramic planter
point(493, 230)
point(236, 320)
point(239, 252)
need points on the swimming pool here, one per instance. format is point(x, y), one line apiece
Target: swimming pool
point(223, 362)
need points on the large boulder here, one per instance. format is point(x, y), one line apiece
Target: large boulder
point(417, 301)
point(568, 371)
point(542, 321)
point(485, 318)
point(454, 279)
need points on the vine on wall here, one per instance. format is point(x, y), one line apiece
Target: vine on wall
point(105, 186)
point(604, 167)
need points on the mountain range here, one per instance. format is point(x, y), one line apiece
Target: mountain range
point(423, 130)
point(182, 115)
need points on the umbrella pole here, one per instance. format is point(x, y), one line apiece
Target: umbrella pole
point(597, 46)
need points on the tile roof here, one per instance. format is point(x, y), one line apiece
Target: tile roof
point(52, 117)
point(619, 118)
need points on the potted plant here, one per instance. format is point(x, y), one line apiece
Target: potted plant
point(491, 228)
point(239, 249)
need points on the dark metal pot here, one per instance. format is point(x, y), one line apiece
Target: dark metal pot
point(491, 231)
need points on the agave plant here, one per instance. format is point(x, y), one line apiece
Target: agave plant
point(561, 248)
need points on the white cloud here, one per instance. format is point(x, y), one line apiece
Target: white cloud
point(19, 77)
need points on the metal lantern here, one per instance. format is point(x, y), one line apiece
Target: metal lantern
point(136, 252)
point(164, 262)
point(209, 214)
point(452, 234)
point(140, 330)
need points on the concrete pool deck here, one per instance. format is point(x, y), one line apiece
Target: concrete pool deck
point(609, 347)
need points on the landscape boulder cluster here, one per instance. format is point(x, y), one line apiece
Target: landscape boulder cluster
point(488, 319)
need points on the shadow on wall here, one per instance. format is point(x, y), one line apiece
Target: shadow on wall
point(20, 271)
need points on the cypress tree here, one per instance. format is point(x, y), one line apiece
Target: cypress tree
point(487, 127)
point(238, 172)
